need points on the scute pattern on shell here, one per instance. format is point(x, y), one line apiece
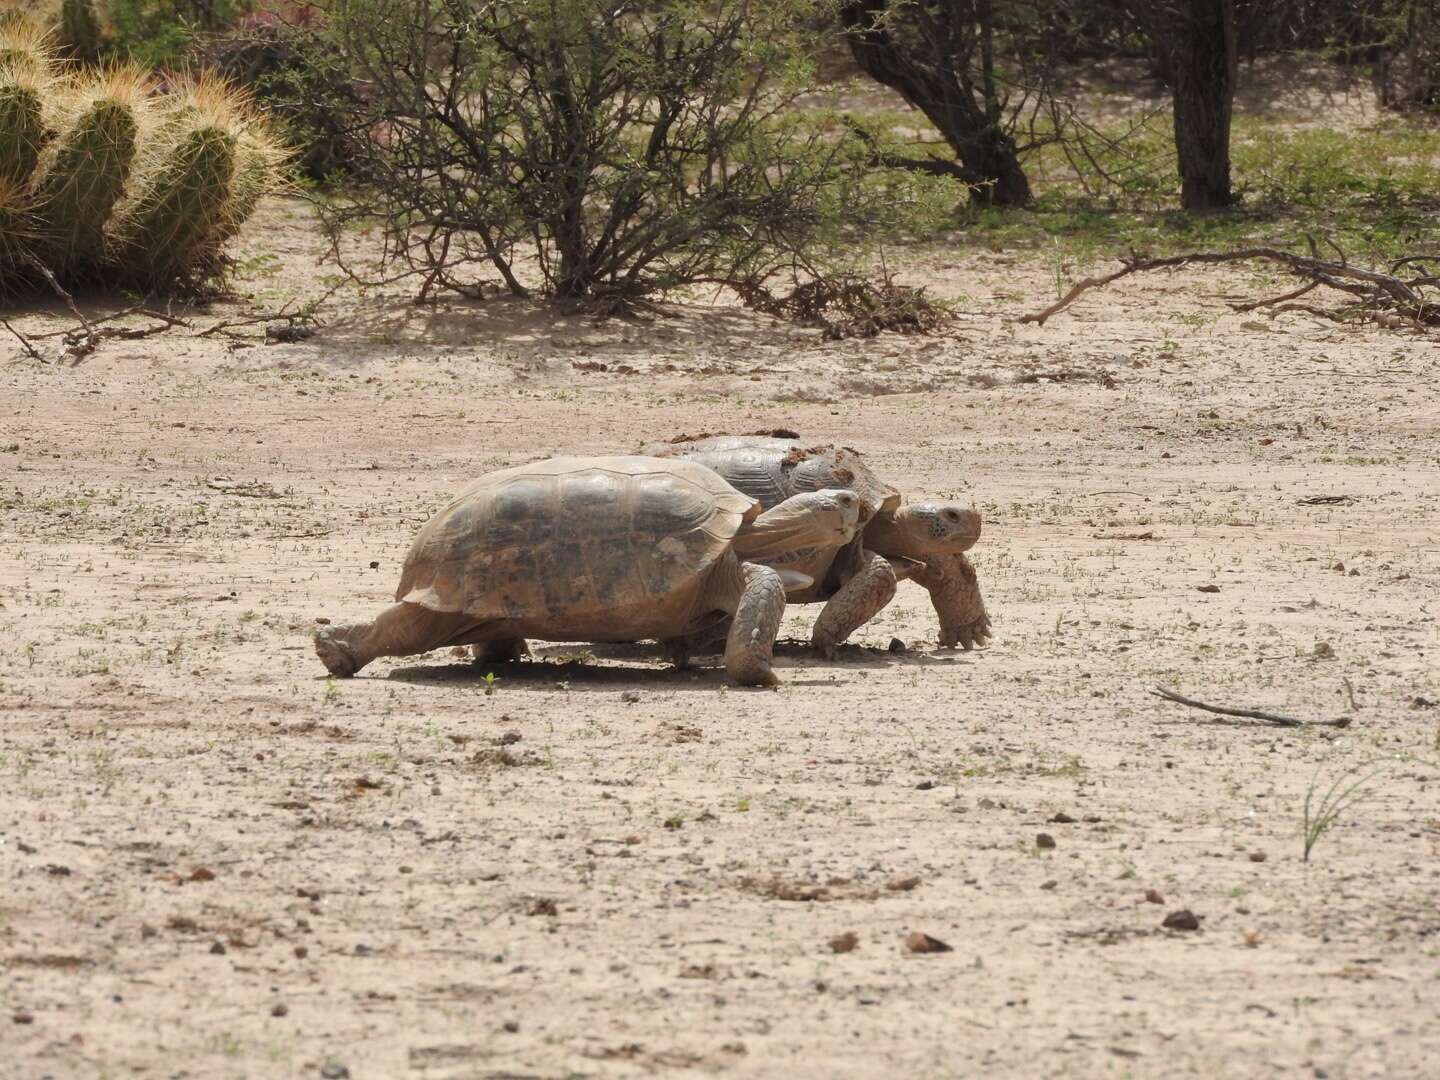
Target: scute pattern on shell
point(602, 541)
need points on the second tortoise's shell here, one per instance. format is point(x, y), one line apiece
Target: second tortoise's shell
point(773, 469)
point(600, 549)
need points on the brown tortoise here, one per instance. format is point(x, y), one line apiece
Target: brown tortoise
point(925, 541)
point(604, 549)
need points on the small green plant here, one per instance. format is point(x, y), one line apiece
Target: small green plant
point(1344, 792)
point(332, 692)
point(490, 680)
point(675, 820)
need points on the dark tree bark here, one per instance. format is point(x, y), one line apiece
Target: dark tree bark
point(1197, 42)
point(942, 87)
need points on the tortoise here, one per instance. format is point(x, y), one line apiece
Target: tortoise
point(602, 549)
point(924, 541)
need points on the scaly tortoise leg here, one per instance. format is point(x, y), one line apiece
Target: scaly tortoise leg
point(858, 601)
point(955, 593)
point(751, 644)
point(399, 630)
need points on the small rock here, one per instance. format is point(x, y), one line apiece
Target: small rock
point(1258, 856)
point(202, 873)
point(147, 931)
point(1044, 840)
point(1323, 651)
point(301, 952)
point(630, 697)
point(904, 884)
point(925, 785)
point(279, 1009)
point(919, 942)
point(218, 949)
point(896, 645)
point(1184, 919)
point(322, 620)
point(512, 1026)
point(542, 905)
point(1152, 896)
point(1049, 886)
point(1207, 588)
point(1422, 703)
point(23, 1018)
point(846, 942)
point(55, 870)
point(363, 950)
point(374, 564)
point(1062, 818)
point(333, 1070)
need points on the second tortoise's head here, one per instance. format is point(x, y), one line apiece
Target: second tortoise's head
point(813, 519)
point(924, 529)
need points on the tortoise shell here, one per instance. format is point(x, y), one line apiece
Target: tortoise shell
point(599, 548)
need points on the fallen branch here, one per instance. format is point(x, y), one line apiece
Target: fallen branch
point(1249, 714)
point(1378, 294)
point(30, 349)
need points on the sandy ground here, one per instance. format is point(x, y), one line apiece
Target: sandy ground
point(215, 862)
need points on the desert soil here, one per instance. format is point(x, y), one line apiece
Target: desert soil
point(216, 862)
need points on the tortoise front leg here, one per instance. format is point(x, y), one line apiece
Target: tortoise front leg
point(751, 645)
point(399, 630)
point(955, 593)
point(860, 599)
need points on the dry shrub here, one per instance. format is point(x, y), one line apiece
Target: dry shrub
point(853, 306)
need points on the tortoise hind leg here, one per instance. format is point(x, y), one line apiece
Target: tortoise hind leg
point(501, 650)
point(858, 601)
point(399, 630)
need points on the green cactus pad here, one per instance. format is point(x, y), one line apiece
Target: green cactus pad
point(167, 234)
point(81, 183)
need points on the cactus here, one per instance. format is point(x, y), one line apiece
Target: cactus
point(22, 132)
point(80, 37)
point(166, 229)
point(104, 184)
point(83, 172)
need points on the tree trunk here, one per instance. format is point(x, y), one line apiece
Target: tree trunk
point(1200, 47)
point(946, 95)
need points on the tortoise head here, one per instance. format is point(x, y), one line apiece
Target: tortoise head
point(813, 519)
point(824, 467)
point(921, 530)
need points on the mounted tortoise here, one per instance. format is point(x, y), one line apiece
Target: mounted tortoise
point(605, 549)
point(923, 541)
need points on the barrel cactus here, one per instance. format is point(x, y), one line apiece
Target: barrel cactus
point(105, 182)
point(80, 35)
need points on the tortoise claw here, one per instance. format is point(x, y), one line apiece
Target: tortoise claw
point(334, 654)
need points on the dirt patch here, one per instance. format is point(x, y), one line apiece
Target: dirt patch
point(178, 513)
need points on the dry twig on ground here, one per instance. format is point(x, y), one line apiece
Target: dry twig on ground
point(1249, 714)
point(1382, 297)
